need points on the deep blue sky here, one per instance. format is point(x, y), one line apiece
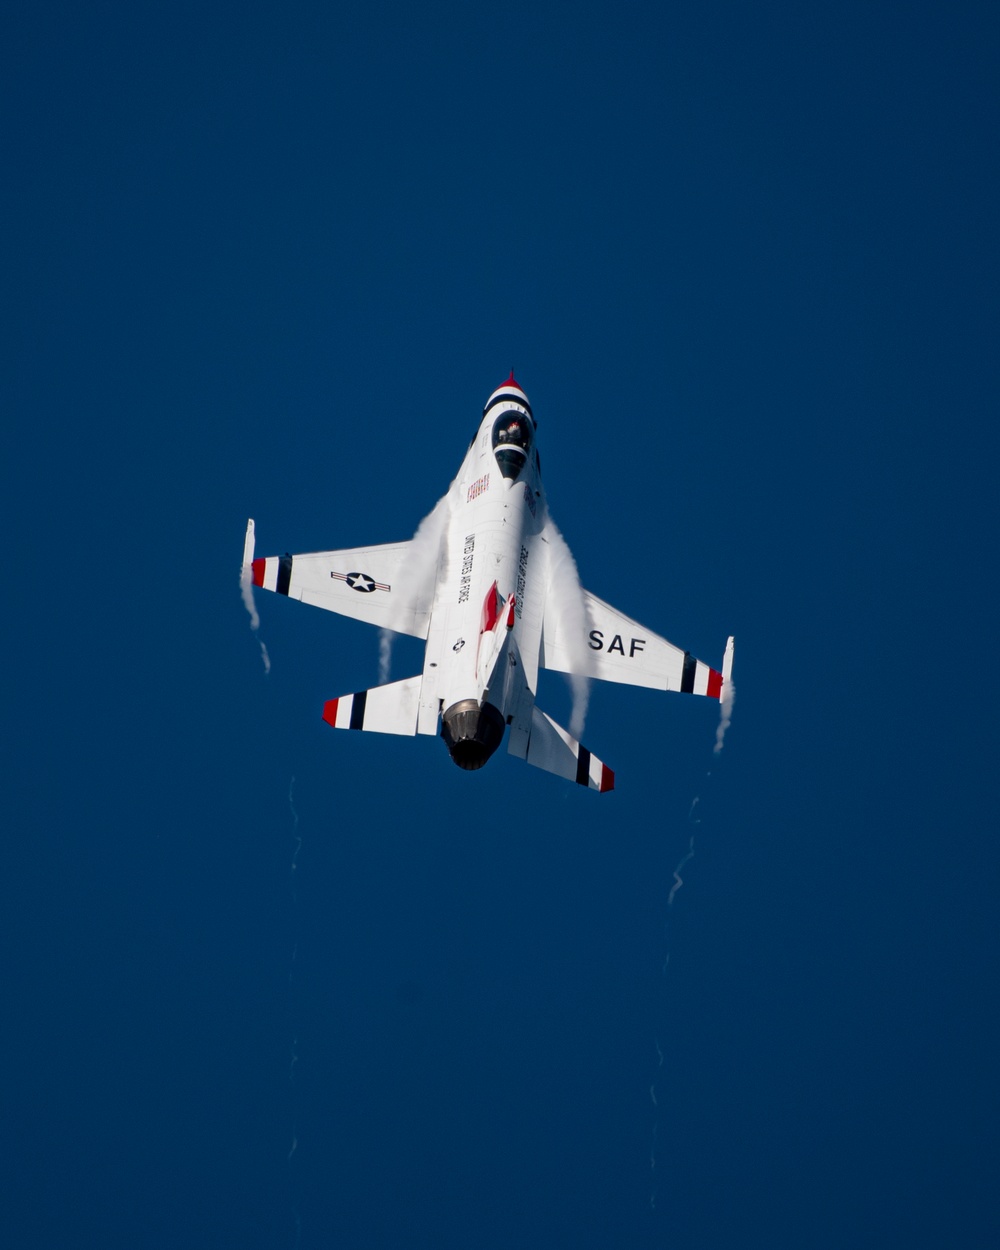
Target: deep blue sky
point(270, 260)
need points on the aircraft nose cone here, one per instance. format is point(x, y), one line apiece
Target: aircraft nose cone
point(511, 390)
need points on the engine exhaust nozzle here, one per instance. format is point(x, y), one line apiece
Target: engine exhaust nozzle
point(471, 732)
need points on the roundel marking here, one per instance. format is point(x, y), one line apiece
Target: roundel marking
point(361, 581)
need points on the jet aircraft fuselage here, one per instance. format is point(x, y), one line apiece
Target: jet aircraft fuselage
point(488, 572)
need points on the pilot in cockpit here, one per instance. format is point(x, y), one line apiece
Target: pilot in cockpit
point(512, 434)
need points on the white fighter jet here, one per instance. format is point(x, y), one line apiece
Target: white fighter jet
point(490, 585)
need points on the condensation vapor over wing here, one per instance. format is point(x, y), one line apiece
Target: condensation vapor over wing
point(423, 565)
point(565, 603)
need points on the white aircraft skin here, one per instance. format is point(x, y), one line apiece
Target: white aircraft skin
point(488, 583)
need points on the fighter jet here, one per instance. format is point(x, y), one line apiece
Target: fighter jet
point(489, 584)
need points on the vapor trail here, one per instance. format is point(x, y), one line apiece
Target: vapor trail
point(567, 602)
point(421, 569)
point(678, 880)
point(725, 715)
point(427, 544)
point(246, 590)
point(385, 637)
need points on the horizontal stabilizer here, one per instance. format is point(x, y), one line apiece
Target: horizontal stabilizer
point(552, 748)
point(389, 709)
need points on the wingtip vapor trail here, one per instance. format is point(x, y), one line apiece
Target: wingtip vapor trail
point(246, 590)
point(728, 696)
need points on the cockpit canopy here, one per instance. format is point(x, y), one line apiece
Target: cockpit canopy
point(513, 433)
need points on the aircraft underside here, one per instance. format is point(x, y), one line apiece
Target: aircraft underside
point(489, 584)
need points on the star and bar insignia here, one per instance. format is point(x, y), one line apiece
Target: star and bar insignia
point(362, 582)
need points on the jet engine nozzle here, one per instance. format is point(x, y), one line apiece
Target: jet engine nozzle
point(471, 732)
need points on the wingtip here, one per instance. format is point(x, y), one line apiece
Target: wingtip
point(248, 544)
point(727, 666)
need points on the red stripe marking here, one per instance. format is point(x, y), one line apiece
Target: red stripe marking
point(258, 572)
point(607, 779)
point(330, 712)
point(714, 684)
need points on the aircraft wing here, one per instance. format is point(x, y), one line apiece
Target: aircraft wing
point(616, 648)
point(366, 583)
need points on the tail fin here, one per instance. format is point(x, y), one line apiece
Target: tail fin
point(389, 709)
point(552, 748)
